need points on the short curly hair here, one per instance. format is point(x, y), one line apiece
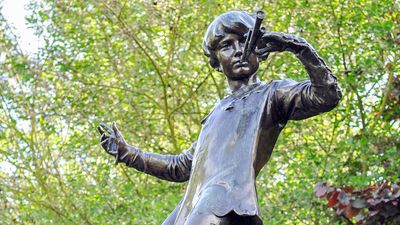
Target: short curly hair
point(232, 22)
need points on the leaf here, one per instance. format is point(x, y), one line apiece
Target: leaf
point(351, 212)
point(373, 201)
point(343, 198)
point(340, 209)
point(358, 203)
point(333, 200)
point(321, 190)
point(347, 189)
point(370, 189)
point(373, 213)
point(359, 218)
point(341, 206)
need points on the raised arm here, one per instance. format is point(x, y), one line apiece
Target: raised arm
point(167, 167)
point(300, 100)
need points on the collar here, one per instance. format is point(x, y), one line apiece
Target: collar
point(245, 89)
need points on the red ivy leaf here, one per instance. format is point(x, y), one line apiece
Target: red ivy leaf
point(333, 199)
point(351, 212)
point(347, 189)
point(370, 189)
point(340, 209)
point(341, 206)
point(378, 201)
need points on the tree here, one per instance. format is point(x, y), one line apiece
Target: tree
point(140, 63)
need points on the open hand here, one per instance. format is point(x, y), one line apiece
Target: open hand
point(111, 139)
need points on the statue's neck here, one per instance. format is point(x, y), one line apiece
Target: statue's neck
point(235, 85)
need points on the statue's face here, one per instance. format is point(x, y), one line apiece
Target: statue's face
point(229, 51)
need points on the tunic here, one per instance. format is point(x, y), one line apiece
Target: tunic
point(237, 139)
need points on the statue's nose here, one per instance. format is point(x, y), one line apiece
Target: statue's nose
point(238, 49)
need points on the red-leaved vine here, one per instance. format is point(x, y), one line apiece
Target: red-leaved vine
point(376, 204)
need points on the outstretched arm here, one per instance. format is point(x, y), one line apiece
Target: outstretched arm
point(167, 167)
point(305, 99)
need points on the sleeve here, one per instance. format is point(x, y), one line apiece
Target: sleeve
point(301, 100)
point(175, 168)
point(296, 101)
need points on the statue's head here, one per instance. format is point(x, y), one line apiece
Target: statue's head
point(231, 24)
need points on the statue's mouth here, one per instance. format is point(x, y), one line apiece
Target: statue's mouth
point(240, 64)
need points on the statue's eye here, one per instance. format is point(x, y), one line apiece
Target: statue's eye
point(224, 44)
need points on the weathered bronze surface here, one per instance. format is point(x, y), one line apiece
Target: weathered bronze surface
point(239, 134)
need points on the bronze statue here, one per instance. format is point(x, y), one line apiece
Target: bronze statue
point(239, 134)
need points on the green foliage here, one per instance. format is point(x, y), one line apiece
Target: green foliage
point(140, 63)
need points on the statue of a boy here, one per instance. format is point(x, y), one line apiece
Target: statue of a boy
point(238, 136)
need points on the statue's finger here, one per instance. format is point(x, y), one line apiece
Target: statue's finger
point(103, 142)
point(264, 56)
point(277, 48)
point(105, 138)
point(107, 128)
point(116, 131)
point(109, 144)
point(259, 51)
point(262, 51)
point(101, 131)
point(114, 127)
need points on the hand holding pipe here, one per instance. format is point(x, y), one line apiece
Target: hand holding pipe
point(253, 36)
